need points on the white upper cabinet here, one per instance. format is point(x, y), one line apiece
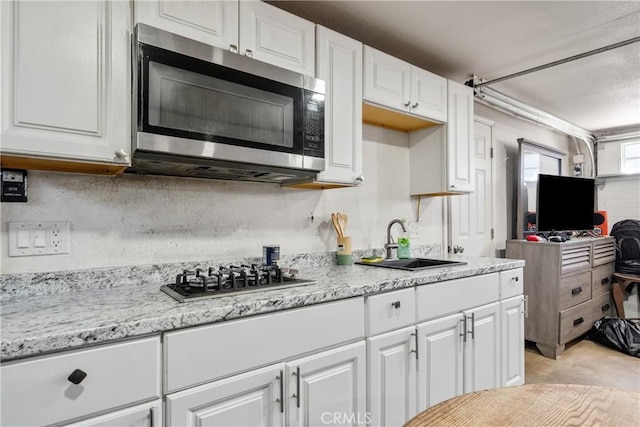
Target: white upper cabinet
point(441, 159)
point(211, 22)
point(249, 27)
point(280, 38)
point(339, 64)
point(396, 84)
point(66, 94)
point(460, 150)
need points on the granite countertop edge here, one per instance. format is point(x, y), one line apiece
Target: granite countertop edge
point(42, 324)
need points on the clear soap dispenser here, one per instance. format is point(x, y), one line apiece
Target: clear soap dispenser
point(404, 247)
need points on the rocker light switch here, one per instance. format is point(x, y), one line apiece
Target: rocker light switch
point(39, 239)
point(23, 239)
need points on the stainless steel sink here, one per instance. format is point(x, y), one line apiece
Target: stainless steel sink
point(413, 264)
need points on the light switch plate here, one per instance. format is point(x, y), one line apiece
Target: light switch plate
point(33, 238)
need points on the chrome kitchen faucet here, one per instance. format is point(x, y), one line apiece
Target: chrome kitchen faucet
point(391, 245)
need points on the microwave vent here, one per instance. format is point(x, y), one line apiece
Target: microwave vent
point(157, 164)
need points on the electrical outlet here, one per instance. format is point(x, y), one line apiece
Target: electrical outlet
point(38, 238)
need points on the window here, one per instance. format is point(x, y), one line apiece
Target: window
point(630, 157)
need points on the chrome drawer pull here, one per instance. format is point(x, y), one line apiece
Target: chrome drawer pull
point(576, 291)
point(77, 376)
point(578, 321)
point(281, 399)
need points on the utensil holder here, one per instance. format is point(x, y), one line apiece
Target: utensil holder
point(343, 254)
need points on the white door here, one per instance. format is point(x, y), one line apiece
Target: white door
point(250, 399)
point(440, 360)
point(211, 22)
point(471, 215)
point(339, 64)
point(512, 325)
point(391, 377)
point(278, 37)
point(482, 349)
point(328, 388)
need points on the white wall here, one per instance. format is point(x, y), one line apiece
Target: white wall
point(130, 220)
point(620, 198)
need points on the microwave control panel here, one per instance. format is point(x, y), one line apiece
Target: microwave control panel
point(313, 119)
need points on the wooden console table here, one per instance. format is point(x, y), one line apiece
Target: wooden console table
point(536, 405)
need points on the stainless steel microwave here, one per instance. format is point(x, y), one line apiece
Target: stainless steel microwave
point(205, 112)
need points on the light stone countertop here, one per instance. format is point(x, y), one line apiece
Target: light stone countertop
point(39, 323)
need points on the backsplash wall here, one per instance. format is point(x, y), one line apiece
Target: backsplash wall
point(134, 220)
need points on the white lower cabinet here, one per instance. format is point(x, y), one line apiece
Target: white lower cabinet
point(512, 325)
point(146, 415)
point(458, 354)
point(75, 385)
point(325, 388)
point(328, 388)
point(250, 399)
point(391, 377)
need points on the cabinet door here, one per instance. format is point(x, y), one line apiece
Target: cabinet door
point(339, 64)
point(146, 415)
point(482, 350)
point(250, 399)
point(440, 360)
point(387, 80)
point(512, 340)
point(428, 94)
point(66, 94)
point(211, 22)
point(328, 388)
point(391, 377)
point(460, 154)
point(278, 37)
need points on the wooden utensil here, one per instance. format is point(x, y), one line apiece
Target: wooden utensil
point(336, 224)
point(342, 220)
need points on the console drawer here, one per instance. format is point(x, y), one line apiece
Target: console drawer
point(390, 311)
point(574, 290)
point(37, 391)
point(601, 279)
point(575, 322)
point(602, 306)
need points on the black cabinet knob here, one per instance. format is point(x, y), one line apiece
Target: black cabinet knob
point(77, 376)
point(395, 304)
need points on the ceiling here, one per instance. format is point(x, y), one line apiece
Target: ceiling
point(491, 39)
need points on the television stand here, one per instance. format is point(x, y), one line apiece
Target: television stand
point(568, 287)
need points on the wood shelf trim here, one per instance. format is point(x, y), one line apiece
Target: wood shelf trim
point(379, 116)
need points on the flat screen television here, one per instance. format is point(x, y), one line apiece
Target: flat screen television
point(565, 203)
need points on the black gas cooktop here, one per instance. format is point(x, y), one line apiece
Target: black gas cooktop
point(220, 281)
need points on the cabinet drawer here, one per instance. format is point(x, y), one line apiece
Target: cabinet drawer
point(604, 252)
point(511, 283)
point(437, 299)
point(574, 290)
point(602, 306)
point(197, 355)
point(601, 279)
point(38, 392)
point(390, 311)
point(575, 322)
